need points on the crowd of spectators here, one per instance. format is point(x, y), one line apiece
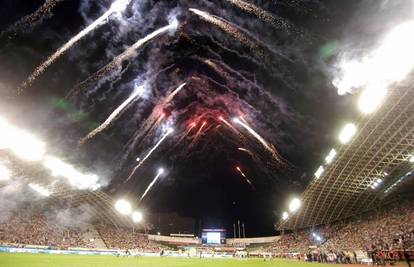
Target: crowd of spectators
point(382, 235)
point(37, 230)
point(126, 238)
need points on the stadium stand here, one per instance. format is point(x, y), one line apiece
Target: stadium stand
point(376, 236)
point(125, 238)
point(381, 235)
point(37, 230)
point(92, 236)
point(366, 172)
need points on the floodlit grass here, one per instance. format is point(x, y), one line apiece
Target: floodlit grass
point(44, 260)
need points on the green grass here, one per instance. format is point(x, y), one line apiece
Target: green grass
point(44, 260)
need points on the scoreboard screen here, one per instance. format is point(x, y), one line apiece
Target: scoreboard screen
point(213, 236)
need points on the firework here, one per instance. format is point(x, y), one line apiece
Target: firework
point(114, 114)
point(169, 131)
point(192, 126)
point(148, 127)
point(174, 93)
point(252, 132)
point(202, 126)
point(230, 28)
point(243, 149)
point(237, 132)
point(268, 147)
point(155, 125)
point(228, 124)
point(242, 119)
point(265, 16)
point(197, 135)
point(160, 172)
point(117, 61)
point(117, 6)
point(244, 175)
point(33, 18)
point(195, 139)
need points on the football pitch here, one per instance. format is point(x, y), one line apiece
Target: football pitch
point(45, 260)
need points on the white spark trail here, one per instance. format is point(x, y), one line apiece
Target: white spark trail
point(264, 15)
point(131, 50)
point(169, 131)
point(244, 176)
point(176, 91)
point(117, 61)
point(30, 20)
point(269, 147)
point(226, 26)
point(256, 135)
point(150, 185)
point(115, 7)
point(113, 115)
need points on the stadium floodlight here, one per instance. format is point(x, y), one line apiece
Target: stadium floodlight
point(76, 178)
point(27, 147)
point(123, 207)
point(136, 216)
point(21, 143)
point(285, 215)
point(160, 171)
point(394, 50)
point(376, 183)
point(5, 133)
point(40, 189)
point(331, 156)
point(371, 98)
point(5, 173)
point(319, 172)
point(347, 133)
point(294, 204)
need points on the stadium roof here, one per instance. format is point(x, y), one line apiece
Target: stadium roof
point(365, 171)
point(98, 202)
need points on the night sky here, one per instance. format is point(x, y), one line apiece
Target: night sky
point(280, 84)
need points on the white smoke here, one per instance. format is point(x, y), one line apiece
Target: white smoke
point(80, 217)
